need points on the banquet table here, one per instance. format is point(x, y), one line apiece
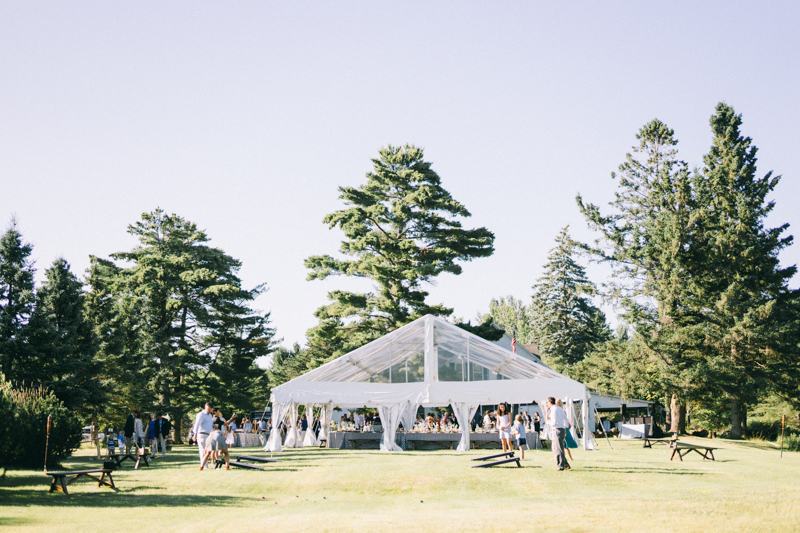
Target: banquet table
point(354, 440)
point(247, 440)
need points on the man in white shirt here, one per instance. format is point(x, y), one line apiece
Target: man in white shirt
point(203, 424)
point(557, 420)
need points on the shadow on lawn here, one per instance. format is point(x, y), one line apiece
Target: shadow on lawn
point(634, 470)
point(90, 495)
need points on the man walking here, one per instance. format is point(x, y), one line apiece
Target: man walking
point(166, 427)
point(203, 424)
point(557, 419)
point(129, 425)
point(159, 436)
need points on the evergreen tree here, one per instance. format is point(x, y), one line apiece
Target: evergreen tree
point(192, 321)
point(647, 241)
point(747, 326)
point(566, 325)
point(63, 342)
point(401, 231)
point(16, 302)
point(115, 323)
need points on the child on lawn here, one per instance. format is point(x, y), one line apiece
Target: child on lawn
point(519, 432)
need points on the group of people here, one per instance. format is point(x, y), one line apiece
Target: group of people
point(556, 420)
point(156, 434)
point(213, 435)
point(489, 421)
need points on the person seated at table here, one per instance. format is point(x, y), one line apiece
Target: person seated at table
point(420, 420)
point(215, 445)
point(431, 423)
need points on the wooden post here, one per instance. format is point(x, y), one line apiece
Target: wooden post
point(783, 429)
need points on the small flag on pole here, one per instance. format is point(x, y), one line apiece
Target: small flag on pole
point(514, 341)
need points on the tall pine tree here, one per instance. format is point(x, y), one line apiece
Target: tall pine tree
point(566, 325)
point(195, 335)
point(748, 326)
point(646, 240)
point(63, 343)
point(16, 302)
point(402, 229)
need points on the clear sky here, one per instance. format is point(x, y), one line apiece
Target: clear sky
point(245, 117)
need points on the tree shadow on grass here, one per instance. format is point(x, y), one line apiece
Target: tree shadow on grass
point(634, 470)
point(93, 496)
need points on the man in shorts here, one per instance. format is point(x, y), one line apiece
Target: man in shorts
point(203, 424)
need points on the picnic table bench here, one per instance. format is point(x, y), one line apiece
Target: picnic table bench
point(682, 449)
point(138, 458)
point(648, 442)
point(60, 481)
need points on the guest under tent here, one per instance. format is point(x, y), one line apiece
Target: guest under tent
point(428, 362)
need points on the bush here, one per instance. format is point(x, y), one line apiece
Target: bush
point(764, 430)
point(24, 412)
point(791, 442)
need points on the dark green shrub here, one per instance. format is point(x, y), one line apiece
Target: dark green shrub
point(24, 433)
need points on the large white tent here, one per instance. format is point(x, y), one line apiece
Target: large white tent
point(429, 363)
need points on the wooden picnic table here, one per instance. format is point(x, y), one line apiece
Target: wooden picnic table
point(682, 449)
point(138, 458)
point(648, 442)
point(60, 481)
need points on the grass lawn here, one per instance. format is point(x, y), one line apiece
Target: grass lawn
point(628, 488)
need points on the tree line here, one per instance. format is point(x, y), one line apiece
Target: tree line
point(164, 326)
point(707, 315)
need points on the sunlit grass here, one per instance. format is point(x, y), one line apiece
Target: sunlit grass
point(627, 488)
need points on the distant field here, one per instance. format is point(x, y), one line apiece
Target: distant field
point(628, 488)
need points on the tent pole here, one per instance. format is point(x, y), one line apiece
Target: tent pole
point(602, 426)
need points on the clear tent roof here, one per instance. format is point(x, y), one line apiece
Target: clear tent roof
point(429, 350)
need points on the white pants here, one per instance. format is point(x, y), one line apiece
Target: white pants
point(162, 445)
point(201, 445)
point(154, 451)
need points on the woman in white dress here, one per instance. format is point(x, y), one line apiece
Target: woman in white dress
point(504, 427)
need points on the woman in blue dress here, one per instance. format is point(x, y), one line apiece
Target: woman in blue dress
point(151, 431)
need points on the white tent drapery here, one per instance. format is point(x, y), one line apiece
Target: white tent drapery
point(274, 442)
point(429, 363)
point(310, 438)
point(293, 439)
point(390, 419)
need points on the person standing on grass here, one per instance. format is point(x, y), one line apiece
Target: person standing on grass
point(130, 425)
point(138, 431)
point(569, 442)
point(203, 425)
point(519, 433)
point(557, 420)
point(504, 427)
point(163, 427)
